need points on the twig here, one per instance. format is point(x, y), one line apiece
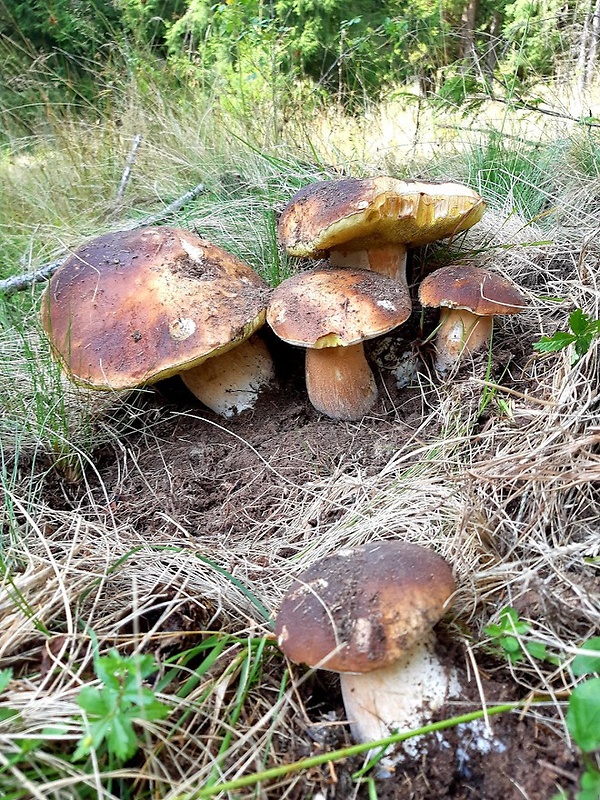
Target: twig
point(514, 392)
point(128, 166)
point(523, 105)
point(17, 283)
point(172, 208)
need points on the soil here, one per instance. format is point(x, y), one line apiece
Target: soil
point(223, 477)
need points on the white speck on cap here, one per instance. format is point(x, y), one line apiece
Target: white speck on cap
point(309, 588)
point(361, 634)
point(195, 253)
point(182, 328)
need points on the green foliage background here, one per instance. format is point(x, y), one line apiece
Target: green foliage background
point(353, 51)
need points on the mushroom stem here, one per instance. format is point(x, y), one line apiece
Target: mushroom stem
point(387, 260)
point(339, 381)
point(398, 698)
point(460, 332)
point(231, 382)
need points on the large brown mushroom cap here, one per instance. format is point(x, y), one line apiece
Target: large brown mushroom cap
point(359, 214)
point(474, 289)
point(330, 307)
point(363, 608)
point(132, 307)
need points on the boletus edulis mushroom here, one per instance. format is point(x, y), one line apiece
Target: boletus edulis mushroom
point(368, 613)
point(130, 308)
point(469, 298)
point(331, 312)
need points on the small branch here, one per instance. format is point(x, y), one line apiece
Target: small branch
point(523, 105)
point(514, 393)
point(128, 166)
point(172, 208)
point(18, 283)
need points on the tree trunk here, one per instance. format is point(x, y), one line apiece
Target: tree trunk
point(468, 22)
point(491, 56)
point(593, 49)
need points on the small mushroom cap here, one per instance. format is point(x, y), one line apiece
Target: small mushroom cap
point(358, 214)
point(333, 306)
point(474, 289)
point(132, 307)
point(363, 608)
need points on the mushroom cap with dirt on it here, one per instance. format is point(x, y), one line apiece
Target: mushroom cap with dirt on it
point(368, 613)
point(130, 308)
point(369, 223)
point(331, 312)
point(469, 298)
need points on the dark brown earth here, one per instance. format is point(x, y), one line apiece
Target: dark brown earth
point(222, 477)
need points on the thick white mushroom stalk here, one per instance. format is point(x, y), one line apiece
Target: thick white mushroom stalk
point(232, 382)
point(460, 333)
point(339, 381)
point(398, 698)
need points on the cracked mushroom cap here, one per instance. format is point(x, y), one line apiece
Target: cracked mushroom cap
point(332, 306)
point(473, 289)
point(358, 214)
point(361, 609)
point(133, 307)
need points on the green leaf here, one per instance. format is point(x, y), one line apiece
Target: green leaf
point(109, 669)
point(578, 322)
point(552, 344)
point(590, 786)
point(92, 740)
point(583, 715)
point(5, 678)
point(584, 664)
point(96, 702)
point(118, 704)
point(510, 644)
point(583, 342)
point(509, 619)
point(121, 738)
point(537, 650)
point(145, 703)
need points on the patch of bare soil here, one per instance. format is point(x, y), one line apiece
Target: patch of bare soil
point(220, 478)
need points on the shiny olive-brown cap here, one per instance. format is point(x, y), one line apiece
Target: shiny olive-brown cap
point(335, 306)
point(363, 213)
point(133, 307)
point(474, 289)
point(363, 608)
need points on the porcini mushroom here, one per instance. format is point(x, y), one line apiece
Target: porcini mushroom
point(469, 298)
point(368, 613)
point(331, 312)
point(130, 308)
point(369, 223)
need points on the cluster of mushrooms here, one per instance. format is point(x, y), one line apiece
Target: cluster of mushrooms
point(130, 308)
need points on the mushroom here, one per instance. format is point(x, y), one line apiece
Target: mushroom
point(331, 312)
point(469, 297)
point(368, 613)
point(130, 308)
point(369, 223)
